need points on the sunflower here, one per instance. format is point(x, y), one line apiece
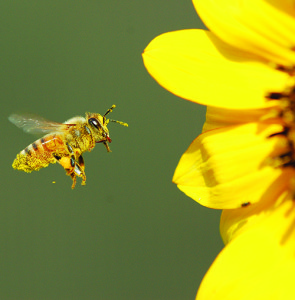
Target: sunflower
point(244, 160)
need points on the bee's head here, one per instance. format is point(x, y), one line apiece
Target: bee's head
point(98, 125)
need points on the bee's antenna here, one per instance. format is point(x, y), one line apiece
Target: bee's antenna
point(110, 120)
point(110, 110)
point(119, 122)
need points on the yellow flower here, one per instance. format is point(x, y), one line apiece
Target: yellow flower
point(244, 161)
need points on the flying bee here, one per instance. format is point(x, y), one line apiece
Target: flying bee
point(64, 143)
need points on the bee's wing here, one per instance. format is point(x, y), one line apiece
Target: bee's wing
point(36, 124)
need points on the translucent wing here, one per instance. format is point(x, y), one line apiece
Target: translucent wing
point(35, 124)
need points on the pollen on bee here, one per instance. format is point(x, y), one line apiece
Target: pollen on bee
point(65, 162)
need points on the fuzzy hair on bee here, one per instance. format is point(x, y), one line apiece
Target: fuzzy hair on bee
point(63, 143)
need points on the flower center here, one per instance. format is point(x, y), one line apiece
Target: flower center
point(285, 114)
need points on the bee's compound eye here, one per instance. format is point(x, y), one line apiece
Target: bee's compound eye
point(93, 122)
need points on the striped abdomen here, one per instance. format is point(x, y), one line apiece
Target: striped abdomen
point(39, 154)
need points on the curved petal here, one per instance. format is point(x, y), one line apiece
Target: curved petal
point(196, 65)
point(258, 263)
point(264, 28)
point(235, 221)
point(231, 167)
point(220, 117)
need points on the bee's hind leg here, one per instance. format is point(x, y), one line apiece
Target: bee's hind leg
point(77, 170)
point(74, 167)
point(73, 175)
point(70, 166)
point(68, 163)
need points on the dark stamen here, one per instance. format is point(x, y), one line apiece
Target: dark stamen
point(284, 132)
point(275, 96)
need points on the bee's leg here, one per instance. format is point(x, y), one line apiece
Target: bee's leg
point(70, 160)
point(79, 169)
point(71, 171)
point(73, 175)
point(68, 163)
point(107, 146)
point(73, 163)
point(82, 166)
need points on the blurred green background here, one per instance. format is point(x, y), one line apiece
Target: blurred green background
point(129, 233)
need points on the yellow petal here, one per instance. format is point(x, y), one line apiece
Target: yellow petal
point(257, 264)
point(229, 167)
point(196, 65)
point(264, 28)
point(233, 222)
point(220, 117)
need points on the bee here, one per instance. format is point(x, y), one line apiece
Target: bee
point(64, 143)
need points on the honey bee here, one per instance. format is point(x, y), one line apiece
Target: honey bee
point(64, 143)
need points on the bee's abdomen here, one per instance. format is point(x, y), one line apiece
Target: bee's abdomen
point(39, 154)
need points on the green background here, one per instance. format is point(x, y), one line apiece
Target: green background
point(129, 233)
